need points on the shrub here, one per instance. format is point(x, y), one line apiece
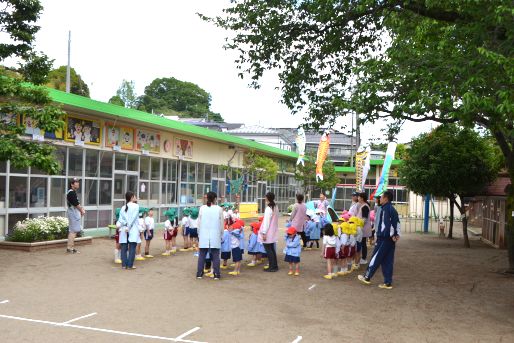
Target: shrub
point(39, 229)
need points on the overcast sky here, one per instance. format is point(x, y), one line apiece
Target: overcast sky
point(143, 40)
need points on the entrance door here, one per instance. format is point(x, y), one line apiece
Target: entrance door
point(123, 182)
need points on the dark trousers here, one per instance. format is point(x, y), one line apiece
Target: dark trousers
point(383, 255)
point(128, 254)
point(272, 255)
point(215, 257)
point(364, 250)
point(312, 243)
point(304, 238)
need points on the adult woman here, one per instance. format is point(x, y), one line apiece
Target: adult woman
point(129, 230)
point(363, 213)
point(210, 231)
point(268, 232)
point(299, 217)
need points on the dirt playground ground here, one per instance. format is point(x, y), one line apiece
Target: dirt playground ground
point(443, 293)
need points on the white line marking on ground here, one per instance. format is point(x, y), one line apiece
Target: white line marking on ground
point(75, 319)
point(4, 302)
point(187, 333)
point(298, 339)
point(311, 287)
point(98, 329)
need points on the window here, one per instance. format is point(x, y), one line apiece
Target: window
point(91, 163)
point(156, 169)
point(106, 164)
point(208, 173)
point(104, 218)
point(91, 192)
point(154, 191)
point(143, 190)
point(38, 191)
point(201, 172)
point(2, 191)
point(2, 226)
point(119, 186)
point(3, 166)
point(183, 171)
point(172, 193)
point(132, 162)
point(15, 170)
point(120, 161)
point(60, 156)
point(192, 172)
point(90, 219)
point(144, 168)
point(75, 162)
point(17, 192)
point(105, 192)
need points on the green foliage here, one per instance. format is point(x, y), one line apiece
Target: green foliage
point(116, 100)
point(17, 97)
point(57, 80)
point(127, 94)
point(263, 167)
point(449, 161)
point(39, 229)
point(307, 174)
point(186, 98)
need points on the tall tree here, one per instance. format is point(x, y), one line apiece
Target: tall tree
point(17, 21)
point(57, 80)
point(449, 61)
point(127, 94)
point(450, 162)
point(169, 94)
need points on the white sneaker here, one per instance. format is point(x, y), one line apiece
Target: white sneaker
point(363, 261)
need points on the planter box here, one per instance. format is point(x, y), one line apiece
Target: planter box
point(59, 243)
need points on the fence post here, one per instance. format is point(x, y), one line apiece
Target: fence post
point(427, 213)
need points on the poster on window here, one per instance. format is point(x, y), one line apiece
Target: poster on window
point(122, 137)
point(183, 148)
point(148, 141)
point(83, 131)
point(31, 129)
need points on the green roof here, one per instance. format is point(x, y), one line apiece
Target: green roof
point(345, 169)
point(81, 102)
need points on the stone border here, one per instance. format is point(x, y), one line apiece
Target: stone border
point(59, 243)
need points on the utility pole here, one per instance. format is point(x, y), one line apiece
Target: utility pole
point(357, 132)
point(68, 81)
point(351, 145)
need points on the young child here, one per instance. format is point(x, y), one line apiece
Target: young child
point(358, 245)
point(185, 229)
point(170, 232)
point(117, 249)
point(226, 250)
point(292, 251)
point(312, 230)
point(149, 229)
point(193, 230)
point(329, 249)
point(344, 249)
point(142, 228)
point(253, 244)
point(235, 242)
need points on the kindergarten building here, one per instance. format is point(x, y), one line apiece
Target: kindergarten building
point(112, 149)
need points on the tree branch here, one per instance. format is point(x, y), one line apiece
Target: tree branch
point(420, 9)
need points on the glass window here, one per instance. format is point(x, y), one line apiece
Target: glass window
point(38, 191)
point(104, 218)
point(183, 193)
point(183, 171)
point(172, 193)
point(13, 219)
point(173, 166)
point(165, 169)
point(120, 161)
point(3, 180)
point(199, 191)
point(105, 192)
point(208, 173)
point(131, 184)
point(90, 219)
point(201, 172)
point(17, 192)
point(144, 168)
point(35, 170)
point(3, 166)
point(57, 192)
point(75, 162)
point(132, 162)
point(154, 191)
point(91, 163)
point(215, 171)
point(19, 170)
point(191, 193)
point(60, 156)
point(119, 186)
point(164, 196)
point(2, 226)
point(106, 164)
point(192, 172)
point(91, 192)
point(156, 168)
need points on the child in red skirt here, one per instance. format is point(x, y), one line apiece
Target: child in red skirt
point(170, 232)
point(329, 249)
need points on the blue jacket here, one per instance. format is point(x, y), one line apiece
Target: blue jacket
point(242, 240)
point(225, 241)
point(313, 230)
point(252, 243)
point(293, 247)
point(260, 248)
point(388, 222)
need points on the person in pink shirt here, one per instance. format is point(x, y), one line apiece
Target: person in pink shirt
point(268, 233)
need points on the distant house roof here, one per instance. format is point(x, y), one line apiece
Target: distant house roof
point(254, 130)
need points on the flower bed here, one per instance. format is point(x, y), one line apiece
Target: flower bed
point(39, 230)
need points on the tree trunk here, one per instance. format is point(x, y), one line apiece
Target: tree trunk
point(509, 222)
point(462, 210)
point(452, 216)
